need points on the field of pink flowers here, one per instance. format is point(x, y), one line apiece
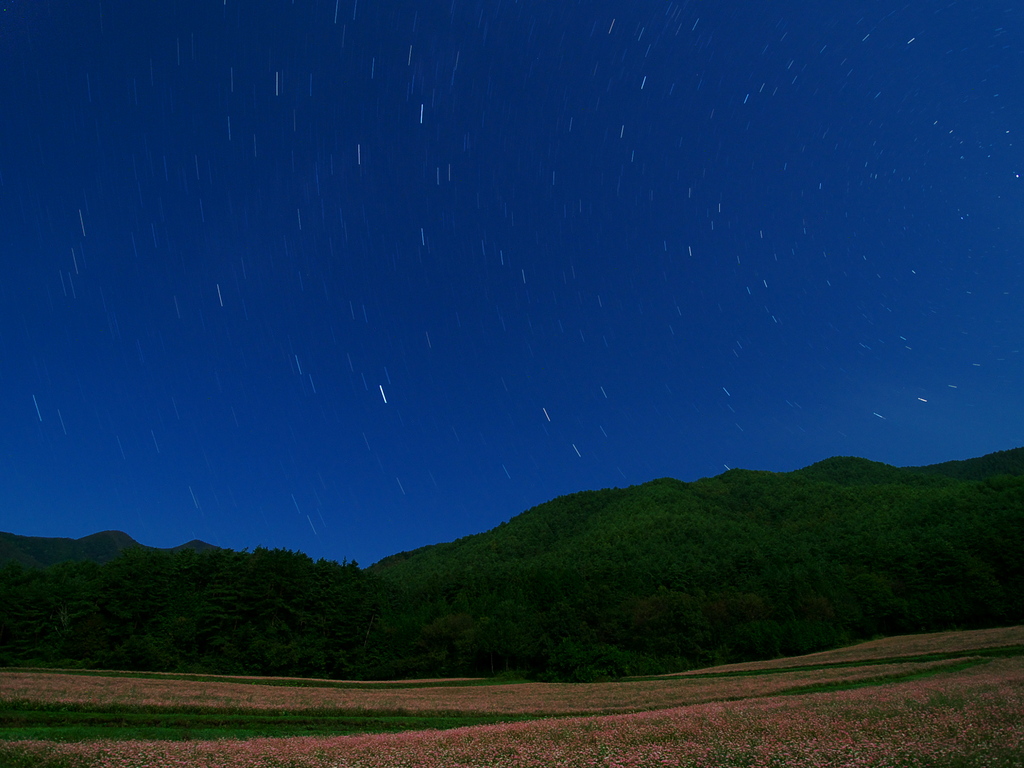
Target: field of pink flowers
point(888, 648)
point(48, 688)
point(972, 717)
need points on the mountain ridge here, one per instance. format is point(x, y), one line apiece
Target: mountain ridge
point(100, 547)
point(103, 546)
point(849, 471)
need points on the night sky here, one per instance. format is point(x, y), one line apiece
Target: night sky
point(356, 276)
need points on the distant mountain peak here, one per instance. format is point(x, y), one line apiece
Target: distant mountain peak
point(100, 547)
point(119, 537)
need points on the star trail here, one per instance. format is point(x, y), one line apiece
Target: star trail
point(356, 277)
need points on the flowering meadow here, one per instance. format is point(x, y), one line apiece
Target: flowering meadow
point(887, 648)
point(525, 698)
point(896, 712)
point(972, 717)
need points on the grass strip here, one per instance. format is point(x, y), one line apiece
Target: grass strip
point(83, 724)
point(288, 682)
point(839, 685)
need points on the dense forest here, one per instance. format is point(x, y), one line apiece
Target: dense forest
point(653, 578)
point(267, 612)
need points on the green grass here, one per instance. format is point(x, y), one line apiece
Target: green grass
point(18, 720)
point(840, 685)
point(289, 682)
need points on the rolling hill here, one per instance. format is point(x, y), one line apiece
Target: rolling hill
point(745, 564)
point(42, 551)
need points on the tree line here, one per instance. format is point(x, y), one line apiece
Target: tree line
point(266, 612)
point(654, 578)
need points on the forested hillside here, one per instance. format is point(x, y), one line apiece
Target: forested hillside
point(999, 463)
point(743, 565)
point(656, 577)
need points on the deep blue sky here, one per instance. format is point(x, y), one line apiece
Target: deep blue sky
point(356, 277)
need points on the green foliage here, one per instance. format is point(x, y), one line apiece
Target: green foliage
point(982, 468)
point(269, 612)
point(654, 578)
point(746, 565)
point(575, 662)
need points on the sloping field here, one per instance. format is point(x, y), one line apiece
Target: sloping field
point(537, 699)
point(966, 711)
point(888, 648)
